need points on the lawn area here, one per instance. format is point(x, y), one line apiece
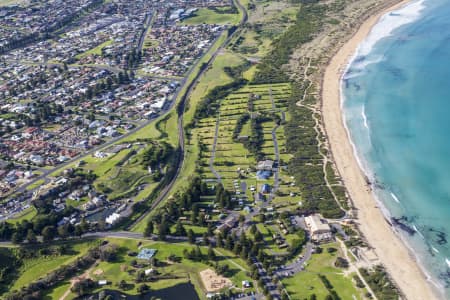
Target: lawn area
point(149, 131)
point(95, 51)
point(183, 271)
point(209, 16)
point(250, 73)
point(26, 214)
point(58, 291)
point(33, 269)
point(304, 284)
point(213, 77)
point(35, 185)
point(146, 191)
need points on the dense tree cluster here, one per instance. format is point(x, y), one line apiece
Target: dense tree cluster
point(174, 208)
point(157, 154)
point(237, 71)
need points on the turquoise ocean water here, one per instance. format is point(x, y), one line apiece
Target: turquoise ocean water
point(396, 102)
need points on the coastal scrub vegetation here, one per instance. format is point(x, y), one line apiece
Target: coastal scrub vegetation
point(380, 283)
point(308, 21)
point(302, 139)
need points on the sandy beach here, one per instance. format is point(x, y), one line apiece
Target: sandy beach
point(391, 251)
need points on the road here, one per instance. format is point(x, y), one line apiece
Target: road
point(298, 265)
point(149, 17)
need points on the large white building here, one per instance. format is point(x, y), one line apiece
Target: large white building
point(319, 229)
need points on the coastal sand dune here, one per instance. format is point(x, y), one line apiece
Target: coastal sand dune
point(399, 262)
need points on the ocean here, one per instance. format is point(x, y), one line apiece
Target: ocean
point(396, 105)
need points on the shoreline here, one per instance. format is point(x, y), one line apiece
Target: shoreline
point(391, 250)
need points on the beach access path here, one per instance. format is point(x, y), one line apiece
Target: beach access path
point(392, 252)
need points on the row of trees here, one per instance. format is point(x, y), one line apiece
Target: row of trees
point(175, 207)
point(210, 103)
point(256, 139)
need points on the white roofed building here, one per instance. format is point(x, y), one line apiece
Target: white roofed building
point(320, 230)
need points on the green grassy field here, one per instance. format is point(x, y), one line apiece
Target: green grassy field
point(33, 269)
point(209, 16)
point(186, 270)
point(36, 184)
point(26, 214)
point(304, 284)
point(96, 50)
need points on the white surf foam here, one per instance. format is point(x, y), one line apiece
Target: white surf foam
point(363, 114)
point(384, 28)
point(434, 249)
point(358, 68)
point(395, 198)
point(448, 262)
point(418, 232)
point(388, 23)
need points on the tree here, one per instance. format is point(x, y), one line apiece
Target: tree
point(149, 229)
point(78, 230)
point(48, 233)
point(209, 229)
point(63, 231)
point(206, 239)
point(253, 229)
point(211, 254)
point(82, 287)
point(258, 236)
point(84, 225)
point(229, 243)
point(143, 288)
point(179, 229)
point(198, 253)
point(313, 297)
point(219, 241)
point(31, 237)
point(341, 262)
point(122, 284)
point(16, 238)
point(162, 229)
point(191, 236)
point(241, 219)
